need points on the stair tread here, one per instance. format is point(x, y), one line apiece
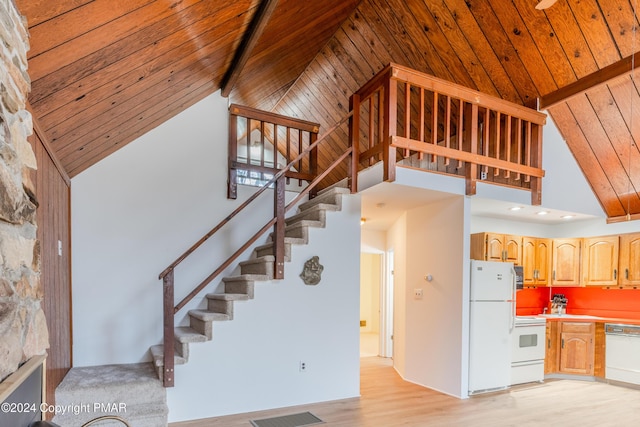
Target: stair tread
point(247, 278)
point(304, 223)
point(157, 351)
point(208, 316)
point(228, 297)
point(266, 258)
point(185, 334)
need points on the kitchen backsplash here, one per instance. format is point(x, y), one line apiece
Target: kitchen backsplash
point(615, 303)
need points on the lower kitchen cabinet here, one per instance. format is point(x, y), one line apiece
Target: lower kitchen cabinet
point(576, 348)
point(551, 353)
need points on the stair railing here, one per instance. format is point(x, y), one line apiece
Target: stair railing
point(403, 115)
point(278, 224)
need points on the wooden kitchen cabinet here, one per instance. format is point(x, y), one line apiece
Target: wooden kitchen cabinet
point(536, 254)
point(577, 348)
point(565, 262)
point(496, 247)
point(551, 351)
point(629, 261)
point(600, 261)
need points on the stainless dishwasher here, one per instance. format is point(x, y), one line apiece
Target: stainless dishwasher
point(622, 353)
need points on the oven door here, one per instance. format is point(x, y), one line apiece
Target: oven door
point(528, 343)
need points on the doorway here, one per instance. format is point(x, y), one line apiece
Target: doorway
point(376, 304)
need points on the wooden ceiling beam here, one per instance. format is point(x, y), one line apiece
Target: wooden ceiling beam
point(242, 54)
point(600, 77)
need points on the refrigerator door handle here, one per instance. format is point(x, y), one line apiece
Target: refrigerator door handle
point(512, 322)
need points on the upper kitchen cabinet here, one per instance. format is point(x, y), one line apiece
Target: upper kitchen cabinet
point(629, 260)
point(565, 262)
point(536, 255)
point(496, 247)
point(600, 261)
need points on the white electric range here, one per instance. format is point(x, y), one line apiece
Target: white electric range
point(528, 349)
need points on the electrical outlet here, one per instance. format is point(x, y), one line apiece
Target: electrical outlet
point(303, 366)
point(417, 293)
point(483, 175)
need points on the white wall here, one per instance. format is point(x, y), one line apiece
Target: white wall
point(434, 324)
point(397, 242)
point(138, 209)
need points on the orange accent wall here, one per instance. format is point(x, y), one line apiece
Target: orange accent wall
point(613, 303)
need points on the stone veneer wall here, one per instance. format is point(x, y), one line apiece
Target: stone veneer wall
point(23, 328)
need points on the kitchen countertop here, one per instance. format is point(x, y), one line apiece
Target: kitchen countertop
point(587, 318)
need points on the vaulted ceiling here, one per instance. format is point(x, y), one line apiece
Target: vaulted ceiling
point(106, 71)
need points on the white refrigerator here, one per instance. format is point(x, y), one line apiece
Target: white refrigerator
point(492, 316)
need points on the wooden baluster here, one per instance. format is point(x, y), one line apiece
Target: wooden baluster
point(169, 331)
point(461, 119)
point(471, 168)
point(276, 149)
point(507, 143)
point(262, 143)
point(313, 162)
point(434, 124)
point(518, 145)
point(390, 120)
point(485, 137)
point(232, 179)
point(527, 178)
point(447, 127)
point(248, 142)
point(407, 115)
point(288, 148)
point(278, 229)
point(496, 171)
point(372, 126)
point(536, 162)
point(300, 150)
point(354, 141)
point(381, 121)
point(421, 122)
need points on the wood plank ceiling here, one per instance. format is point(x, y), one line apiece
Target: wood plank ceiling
point(106, 71)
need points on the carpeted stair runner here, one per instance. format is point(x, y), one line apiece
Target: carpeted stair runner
point(131, 392)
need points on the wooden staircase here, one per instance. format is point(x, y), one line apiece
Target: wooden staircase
point(259, 268)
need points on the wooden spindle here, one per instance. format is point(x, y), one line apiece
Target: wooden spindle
point(447, 127)
point(372, 126)
point(434, 124)
point(527, 178)
point(496, 171)
point(407, 115)
point(421, 122)
point(460, 130)
point(507, 143)
point(518, 145)
point(262, 143)
point(485, 136)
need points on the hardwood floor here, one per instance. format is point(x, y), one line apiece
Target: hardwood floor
point(388, 401)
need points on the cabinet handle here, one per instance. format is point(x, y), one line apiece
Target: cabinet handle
point(615, 273)
point(626, 273)
point(549, 343)
point(562, 346)
point(554, 275)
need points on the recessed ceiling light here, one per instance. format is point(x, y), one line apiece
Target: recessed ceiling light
point(515, 208)
point(567, 216)
point(542, 213)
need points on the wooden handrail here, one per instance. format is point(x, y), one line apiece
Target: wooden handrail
point(254, 196)
point(167, 276)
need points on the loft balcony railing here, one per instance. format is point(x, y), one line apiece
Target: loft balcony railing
point(261, 143)
point(407, 118)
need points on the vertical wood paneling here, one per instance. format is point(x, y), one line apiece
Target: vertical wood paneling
point(53, 219)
